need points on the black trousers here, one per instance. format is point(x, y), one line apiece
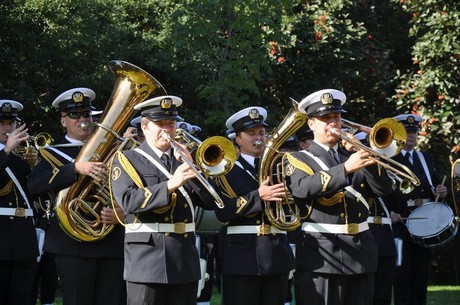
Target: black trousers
point(383, 283)
point(333, 289)
point(91, 281)
point(255, 290)
point(411, 278)
point(47, 279)
point(17, 282)
point(161, 294)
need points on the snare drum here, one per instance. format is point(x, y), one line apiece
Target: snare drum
point(432, 224)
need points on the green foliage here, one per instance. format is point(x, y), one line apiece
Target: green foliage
point(431, 87)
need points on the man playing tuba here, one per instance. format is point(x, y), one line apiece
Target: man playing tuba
point(90, 273)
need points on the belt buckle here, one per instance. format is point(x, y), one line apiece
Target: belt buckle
point(20, 212)
point(352, 228)
point(179, 227)
point(263, 230)
point(377, 220)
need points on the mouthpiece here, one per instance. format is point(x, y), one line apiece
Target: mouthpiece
point(84, 125)
point(259, 143)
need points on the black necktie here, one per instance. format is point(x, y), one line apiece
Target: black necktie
point(407, 156)
point(166, 162)
point(256, 164)
point(334, 155)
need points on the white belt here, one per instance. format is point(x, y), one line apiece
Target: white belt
point(18, 212)
point(378, 220)
point(418, 202)
point(177, 228)
point(259, 230)
point(351, 228)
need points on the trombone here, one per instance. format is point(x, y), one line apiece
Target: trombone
point(387, 138)
point(214, 157)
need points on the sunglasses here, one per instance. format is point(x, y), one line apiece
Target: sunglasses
point(77, 115)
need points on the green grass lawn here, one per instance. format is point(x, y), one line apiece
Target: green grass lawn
point(437, 295)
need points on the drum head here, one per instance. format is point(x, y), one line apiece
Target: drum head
point(429, 219)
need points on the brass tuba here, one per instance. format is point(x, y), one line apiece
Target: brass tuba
point(285, 214)
point(78, 207)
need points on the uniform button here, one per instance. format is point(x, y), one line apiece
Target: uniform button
point(186, 205)
point(166, 219)
point(185, 220)
point(10, 203)
point(342, 215)
point(258, 222)
point(185, 235)
point(11, 217)
point(359, 214)
point(362, 185)
point(167, 234)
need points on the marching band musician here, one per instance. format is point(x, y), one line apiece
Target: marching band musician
point(380, 225)
point(135, 130)
point(158, 193)
point(18, 256)
point(335, 253)
point(257, 257)
point(411, 278)
point(90, 273)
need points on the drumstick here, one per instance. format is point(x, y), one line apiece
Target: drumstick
point(442, 183)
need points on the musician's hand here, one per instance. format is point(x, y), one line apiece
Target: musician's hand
point(395, 217)
point(181, 175)
point(131, 132)
point(358, 160)
point(31, 156)
point(347, 145)
point(441, 191)
point(274, 192)
point(15, 138)
point(185, 151)
point(108, 215)
point(96, 170)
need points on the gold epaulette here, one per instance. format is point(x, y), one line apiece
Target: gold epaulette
point(325, 178)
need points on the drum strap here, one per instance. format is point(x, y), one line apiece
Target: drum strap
point(384, 209)
point(425, 167)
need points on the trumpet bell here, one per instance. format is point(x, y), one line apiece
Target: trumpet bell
point(388, 137)
point(215, 156)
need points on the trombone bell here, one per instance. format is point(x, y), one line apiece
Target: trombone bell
point(388, 137)
point(215, 156)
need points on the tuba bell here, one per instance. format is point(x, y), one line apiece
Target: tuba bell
point(78, 207)
point(284, 215)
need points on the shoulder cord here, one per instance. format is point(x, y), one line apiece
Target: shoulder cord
point(19, 187)
point(53, 161)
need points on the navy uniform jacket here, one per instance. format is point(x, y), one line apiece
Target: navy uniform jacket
point(327, 252)
point(249, 254)
point(166, 258)
point(423, 191)
point(17, 234)
point(57, 241)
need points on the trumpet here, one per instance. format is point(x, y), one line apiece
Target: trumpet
point(215, 157)
point(388, 137)
point(39, 141)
